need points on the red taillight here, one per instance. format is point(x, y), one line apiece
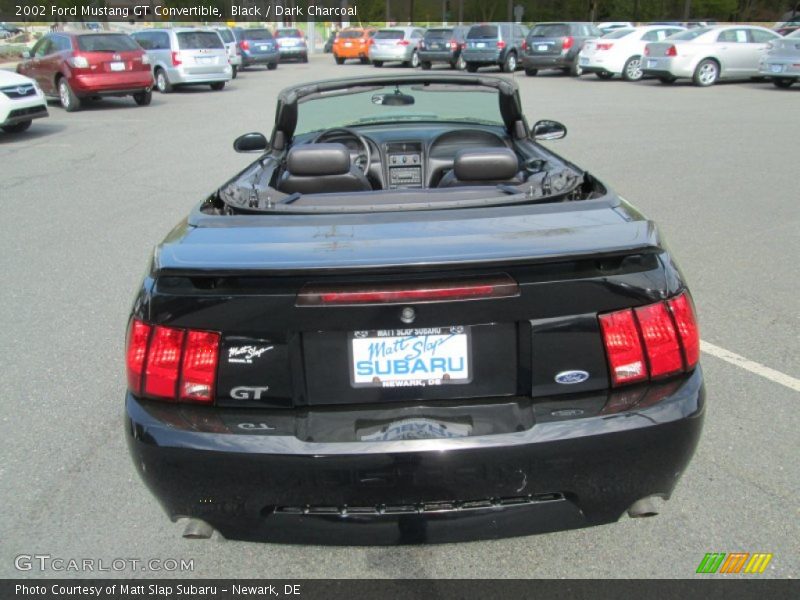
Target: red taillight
point(402, 43)
point(605, 46)
point(647, 50)
point(567, 42)
point(686, 323)
point(501, 44)
point(199, 366)
point(660, 339)
point(343, 295)
point(623, 347)
point(244, 45)
point(452, 44)
point(672, 51)
point(163, 362)
point(176, 60)
point(422, 45)
point(172, 364)
point(663, 333)
point(138, 336)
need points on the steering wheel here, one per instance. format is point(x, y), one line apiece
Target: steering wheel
point(361, 159)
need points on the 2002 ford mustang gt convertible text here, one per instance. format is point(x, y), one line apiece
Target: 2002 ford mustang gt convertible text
point(408, 321)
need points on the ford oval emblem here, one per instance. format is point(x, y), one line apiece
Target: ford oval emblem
point(570, 377)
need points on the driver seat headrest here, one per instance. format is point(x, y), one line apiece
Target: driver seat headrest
point(321, 168)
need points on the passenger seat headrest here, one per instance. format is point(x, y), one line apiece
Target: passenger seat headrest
point(485, 164)
point(318, 159)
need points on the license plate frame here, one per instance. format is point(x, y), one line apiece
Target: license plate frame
point(542, 47)
point(652, 63)
point(415, 348)
point(116, 66)
point(776, 68)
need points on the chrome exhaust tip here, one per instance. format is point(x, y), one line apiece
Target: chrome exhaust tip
point(197, 530)
point(644, 507)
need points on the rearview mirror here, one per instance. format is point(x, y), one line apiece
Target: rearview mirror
point(251, 142)
point(549, 130)
point(395, 99)
point(26, 54)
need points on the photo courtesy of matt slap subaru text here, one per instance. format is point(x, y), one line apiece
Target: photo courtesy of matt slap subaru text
point(409, 321)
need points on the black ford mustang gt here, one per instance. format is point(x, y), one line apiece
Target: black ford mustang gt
point(408, 321)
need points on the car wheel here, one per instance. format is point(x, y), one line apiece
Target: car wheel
point(234, 72)
point(69, 101)
point(472, 67)
point(305, 58)
point(510, 63)
point(143, 98)
point(377, 63)
point(217, 86)
point(783, 82)
point(668, 80)
point(632, 71)
point(604, 75)
point(531, 72)
point(415, 60)
point(426, 66)
point(339, 60)
point(364, 60)
point(461, 64)
point(162, 83)
point(575, 69)
point(17, 127)
point(706, 73)
point(272, 66)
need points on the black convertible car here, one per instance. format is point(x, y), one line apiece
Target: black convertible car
point(409, 321)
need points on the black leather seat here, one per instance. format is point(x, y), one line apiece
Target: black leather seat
point(483, 166)
point(321, 168)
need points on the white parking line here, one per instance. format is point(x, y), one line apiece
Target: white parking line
point(752, 366)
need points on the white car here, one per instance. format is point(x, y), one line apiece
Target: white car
point(707, 54)
point(21, 101)
point(620, 52)
point(609, 26)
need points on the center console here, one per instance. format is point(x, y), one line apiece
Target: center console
point(404, 165)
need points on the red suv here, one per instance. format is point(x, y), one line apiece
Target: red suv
point(77, 66)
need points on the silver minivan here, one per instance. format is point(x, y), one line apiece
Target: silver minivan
point(186, 56)
point(396, 44)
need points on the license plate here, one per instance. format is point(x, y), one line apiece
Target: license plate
point(651, 64)
point(776, 68)
point(480, 45)
point(584, 60)
point(417, 357)
point(542, 47)
point(348, 44)
point(117, 66)
point(263, 47)
point(204, 60)
point(420, 428)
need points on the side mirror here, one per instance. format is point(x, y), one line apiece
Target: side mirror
point(26, 54)
point(549, 130)
point(251, 142)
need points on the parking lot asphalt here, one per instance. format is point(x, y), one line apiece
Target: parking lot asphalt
point(85, 197)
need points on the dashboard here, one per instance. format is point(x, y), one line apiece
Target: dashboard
point(403, 157)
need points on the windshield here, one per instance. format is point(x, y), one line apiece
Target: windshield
point(288, 33)
point(106, 42)
point(690, 34)
point(442, 103)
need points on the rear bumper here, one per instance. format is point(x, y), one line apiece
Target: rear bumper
point(354, 51)
point(561, 61)
point(118, 83)
point(260, 59)
point(661, 66)
point(401, 54)
point(293, 52)
point(438, 56)
point(779, 67)
point(184, 77)
point(482, 57)
point(259, 477)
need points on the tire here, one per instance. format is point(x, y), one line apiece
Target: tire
point(18, 127)
point(783, 82)
point(377, 64)
point(414, 63)
point(364, 60)
point(305, 58)
point(217, 86)
point(472, 67)
point(69, 101)
point(575, 69)
point(272, 66)
point(162, 82)
point(632, 71)
point(426, 66)
point(339, 60)
point(510, 63)
point(706, 73)
point(235, 71)
point(461, 64)
point(604, 75)
point(143, 98)
point(531, 72)
point(668, 80)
